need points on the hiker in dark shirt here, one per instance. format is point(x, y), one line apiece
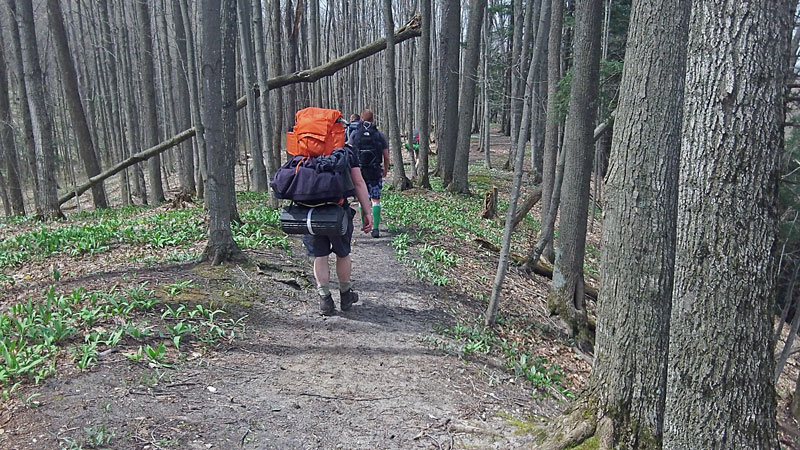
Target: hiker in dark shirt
point(373, 151)
point(320, 247)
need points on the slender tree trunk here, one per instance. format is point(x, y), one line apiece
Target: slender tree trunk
point(184, 107)
point(567, 296)
point(277, 69)
point(466, 112)
point(149, 101)
point(720, 391)
point(193, 71)
point(14, 202)
point(69, 78)
point(48, 208)
point(399, 179)
point(24, 108)
point(425, 94)
point(487, 125)
point(218, 35)
point(449, 48)
point(263, 100)
point(249, 76)
point(524, 128)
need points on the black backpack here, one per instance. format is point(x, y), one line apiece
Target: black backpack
point(370, 156)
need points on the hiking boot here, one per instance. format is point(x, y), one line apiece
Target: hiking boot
point(376, 233)
point(326, 306)
point(347, 299)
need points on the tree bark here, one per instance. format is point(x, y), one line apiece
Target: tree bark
point(218, 31)
point(567, 296)
point(48, 208)
point(69, 77)
point(720, 391)
point(466, 105)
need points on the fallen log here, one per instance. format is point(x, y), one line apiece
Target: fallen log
point(408, 31)
point(540, 268)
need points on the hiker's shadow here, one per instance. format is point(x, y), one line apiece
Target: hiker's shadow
point(396, 318)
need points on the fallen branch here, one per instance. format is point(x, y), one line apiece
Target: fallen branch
point(540, 268)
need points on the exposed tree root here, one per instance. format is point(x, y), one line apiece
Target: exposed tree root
point(218, 254)
point(579, 428)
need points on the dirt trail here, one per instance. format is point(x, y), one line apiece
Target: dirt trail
point(364, 379)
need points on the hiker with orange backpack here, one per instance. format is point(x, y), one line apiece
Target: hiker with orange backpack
point(373, 152)
point(322, 162)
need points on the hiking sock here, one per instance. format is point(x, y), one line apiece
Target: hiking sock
point(345, 286)
point(324, 290)
point(376, 216)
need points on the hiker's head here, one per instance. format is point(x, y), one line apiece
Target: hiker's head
point(355, 118)
point(367, 116)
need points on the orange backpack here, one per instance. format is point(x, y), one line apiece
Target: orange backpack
point(317, 132)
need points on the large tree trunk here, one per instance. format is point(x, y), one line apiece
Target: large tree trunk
point(425, 94)
point(69, 77)
point(15, 202)
point(449, 56)
point(149, 101)
point(219, 121)
point(720, 391)
point(567, 295)
point(399, 179)
point(48, 207)
point(626, 391)
point(466, 105)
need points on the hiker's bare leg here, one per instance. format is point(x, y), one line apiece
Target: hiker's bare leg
point(322, 274)
point(344, 267)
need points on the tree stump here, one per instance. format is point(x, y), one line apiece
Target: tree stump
point(489, 204)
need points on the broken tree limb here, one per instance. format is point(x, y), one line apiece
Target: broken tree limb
point(540, 268)
point(138, 157)
point(408, 31)
point(526, 206)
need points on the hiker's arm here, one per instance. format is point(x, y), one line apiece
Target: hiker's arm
point(363, 198)
point(386, 162)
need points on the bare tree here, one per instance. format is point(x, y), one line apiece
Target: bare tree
point(249, 75)
point(399, 179)
point(263, 101)
point(69, 78)
point(149, 101)
point(466, 105)
point(424, 94)
point(14, 203)
point(567, 295)
point(218, 30)
point(449, 56)
point(48, 207)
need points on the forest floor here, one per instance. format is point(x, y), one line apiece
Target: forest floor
point(237, 356)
